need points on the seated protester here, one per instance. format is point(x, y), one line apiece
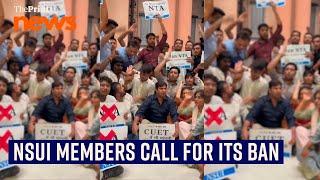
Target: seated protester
point(222, 70)
point(5, 31)
point(117, 90)
point(309, 80)
point(74, 45)
point(20, 102)
point(81, 109)
point(232, 107)
point(178, 45)
point(196, 56)
point(303, 111)
point(237, 49)
point(309, 156)
point(185, 110)
point(93, 117)
point(89, 81)
point(115, 74)
point(141, 86)
point(197, 122)
point(210, 88)
point(85, 46)
point(24, 54)
point(251, 84)
point(105, 87)
point(129, 54)
point(3, 89)
point(52, 109)
point(269, 111)
point(36, 85)
point(68, 78)
point(188, 46)
point(156, 109)
point(287, 78)
point(12, 74)
point(171, 79)
point(193, 81)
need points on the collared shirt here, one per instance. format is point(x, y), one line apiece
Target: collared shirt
point(23, 60)
point(264, 113)
point(48, 110)
point(150, 55)
point(105, 49)
point(287, 89)
point(155, 112)
point(35, 88)
point(263, 49)
point(141, 89)
point(234, 53)
point(126, 59)
point(219, 74)
point(3, 49)
point(113, 76)
point(45, 56)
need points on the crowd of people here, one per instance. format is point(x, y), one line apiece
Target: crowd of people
point(258, 94)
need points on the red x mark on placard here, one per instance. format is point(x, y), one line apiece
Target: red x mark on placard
point(111, 135)
point(5, 112)
point(4, 141)
point(218, 138)
point(214, 116)
point(108, 112)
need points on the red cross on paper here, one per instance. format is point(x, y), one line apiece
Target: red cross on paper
point(111, 135)
point(214, 116)
point(5, 112)
point(108, 112)
point(4, 141)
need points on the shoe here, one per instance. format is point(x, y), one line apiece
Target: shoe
point(12, 171)
point(113, 172)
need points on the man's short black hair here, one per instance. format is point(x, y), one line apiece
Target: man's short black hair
point(262, 25)
point(45, 35)
point(7, 22)
point(93, 44)
point(223, 57)
point(146, 68)
point(243, 35)
point(178, 40)
point(71, 67)
point(210, 77)
point(197, 44)
point(133, 44)
point(42, 68)
point(259, 64)
point(161, 83)
point(218, 11)
point(291, 64)
point(105, 79)
point(56, 84)
point(116, 60)
point(30, 43)
point(274, 83)
point(150, 34)
point(316, 36)
point(112, 22)
point(135, 38)
point(220, 88)
point(75, 40)
point(175, 67)
point(4, 80)
point(247, 30)
point(295, 31)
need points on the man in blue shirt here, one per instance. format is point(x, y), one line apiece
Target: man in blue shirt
point(269, 111)
point(24, 54)
point(237, 48)
point(129, 54)
point(52, 108)
point(156, 109)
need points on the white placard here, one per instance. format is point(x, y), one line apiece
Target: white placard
point(52, 131)
point(6, 134)
point(220, 171)
point(114, 133)
point(98, 57)
point(216, 119)
point(112, 114)
point(153, 8)
point(75, 59)
point(266, 3)
point(50, 8)
point(156, 131)
point(179, 59)
point(296, 54)
point(273, 134)
point(8, 115)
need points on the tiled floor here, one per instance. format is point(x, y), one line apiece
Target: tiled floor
point(288, 171)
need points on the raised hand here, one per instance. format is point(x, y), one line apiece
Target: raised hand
point(243, 17)
point(133, 27)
